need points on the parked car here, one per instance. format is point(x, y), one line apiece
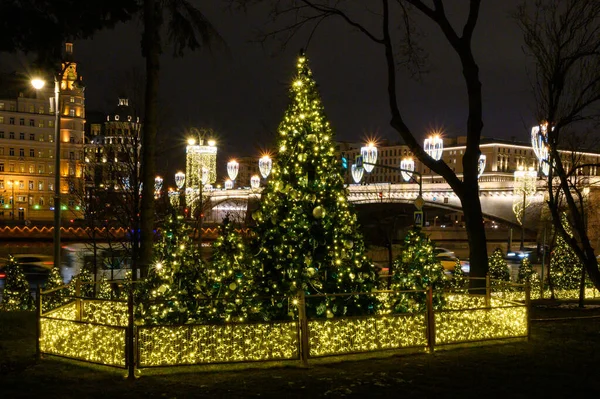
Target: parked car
point(36, 267)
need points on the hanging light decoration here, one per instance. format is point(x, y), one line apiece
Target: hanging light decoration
point(205, 176)
point(264, 165)
point(434, 146)
point(232, 169)
point(357, 173)
point(539, 138)
point(158, 183)
point(228, 184)
point(179, 179)
point(369, 154)
point(255, 182)
point(481, 165)
point(407, 164)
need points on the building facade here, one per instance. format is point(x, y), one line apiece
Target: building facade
point(27, 134)
point(502, 159)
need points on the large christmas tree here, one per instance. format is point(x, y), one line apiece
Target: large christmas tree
point(307, 236)
point(417, 268)
point(16, 295)
point(231, 278)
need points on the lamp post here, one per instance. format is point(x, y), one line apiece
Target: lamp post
point(39, 84)
point(12, 184)
point(524, 185)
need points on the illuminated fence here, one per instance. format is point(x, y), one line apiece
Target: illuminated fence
point(106, 332)
point(204, 343)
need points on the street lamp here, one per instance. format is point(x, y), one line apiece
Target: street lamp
point(434, 146)
point(524, 185)
point(232, 170)
point(265, 165)
point(357, 173)
point(407, 165)
point(38, 84)
point(12, 184)
point(369, 155)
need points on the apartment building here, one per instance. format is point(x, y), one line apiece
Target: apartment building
point(27, 134)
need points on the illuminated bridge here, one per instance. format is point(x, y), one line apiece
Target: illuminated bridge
point(496, 193)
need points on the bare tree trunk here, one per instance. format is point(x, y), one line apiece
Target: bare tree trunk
point(151, 51)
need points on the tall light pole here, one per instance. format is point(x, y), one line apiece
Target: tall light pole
point(12, 184)
point(39, 84)
point(524, 185)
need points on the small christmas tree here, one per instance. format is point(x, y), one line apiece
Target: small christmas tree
point(231, 277)
point(56, 298)
point(498, 269)
point(16, 295)
point(104, 289)
point(528, 275)
point(565, 267)
point(458, 282)
point(175, 289)
point(307, 237)
point(417, 268)
point(85, 279)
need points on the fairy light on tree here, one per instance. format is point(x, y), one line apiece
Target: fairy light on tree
point(306, 235)
point(369, 154)
point(16, 295)
point(158, 184)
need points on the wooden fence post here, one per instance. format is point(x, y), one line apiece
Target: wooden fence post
point(488, 291)
point(78, 304)
point(528, 308)
point(129, 344)
point(38, 324)
point(303, 321)
point(430, 321)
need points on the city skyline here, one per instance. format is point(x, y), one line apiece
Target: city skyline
point(241, 91)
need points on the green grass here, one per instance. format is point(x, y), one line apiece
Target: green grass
point(561, 360)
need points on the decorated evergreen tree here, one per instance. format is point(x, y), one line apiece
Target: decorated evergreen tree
point(565, 267)
point(526, 273)
point(417, 268)
point(56, 298)
point(174, 289)
point(498, 269)
point(458, 282)
point(86, 283)
point(104, 290)
point(307, 237)
point(232, 278)
point(16, 294)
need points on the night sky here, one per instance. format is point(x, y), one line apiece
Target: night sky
point(241, 90)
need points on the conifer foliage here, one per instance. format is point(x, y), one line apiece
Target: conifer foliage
point(56, 298)
point(565, 267)
point(16, 294)
point(175, 287)
point(307, 237)
point(231, 278)
point(417, 268)
point(498, 269)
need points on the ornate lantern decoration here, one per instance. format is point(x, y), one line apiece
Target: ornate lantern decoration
point(407, 164)
point(255, 182)
point(179, 179)
point(357, 173)
point(264, 165)
point(481, 165)
point(232, 169)
point(228, 184)
point(369, 154)
point(434, 146)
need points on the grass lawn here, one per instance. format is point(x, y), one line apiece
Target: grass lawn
point(562, 359)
